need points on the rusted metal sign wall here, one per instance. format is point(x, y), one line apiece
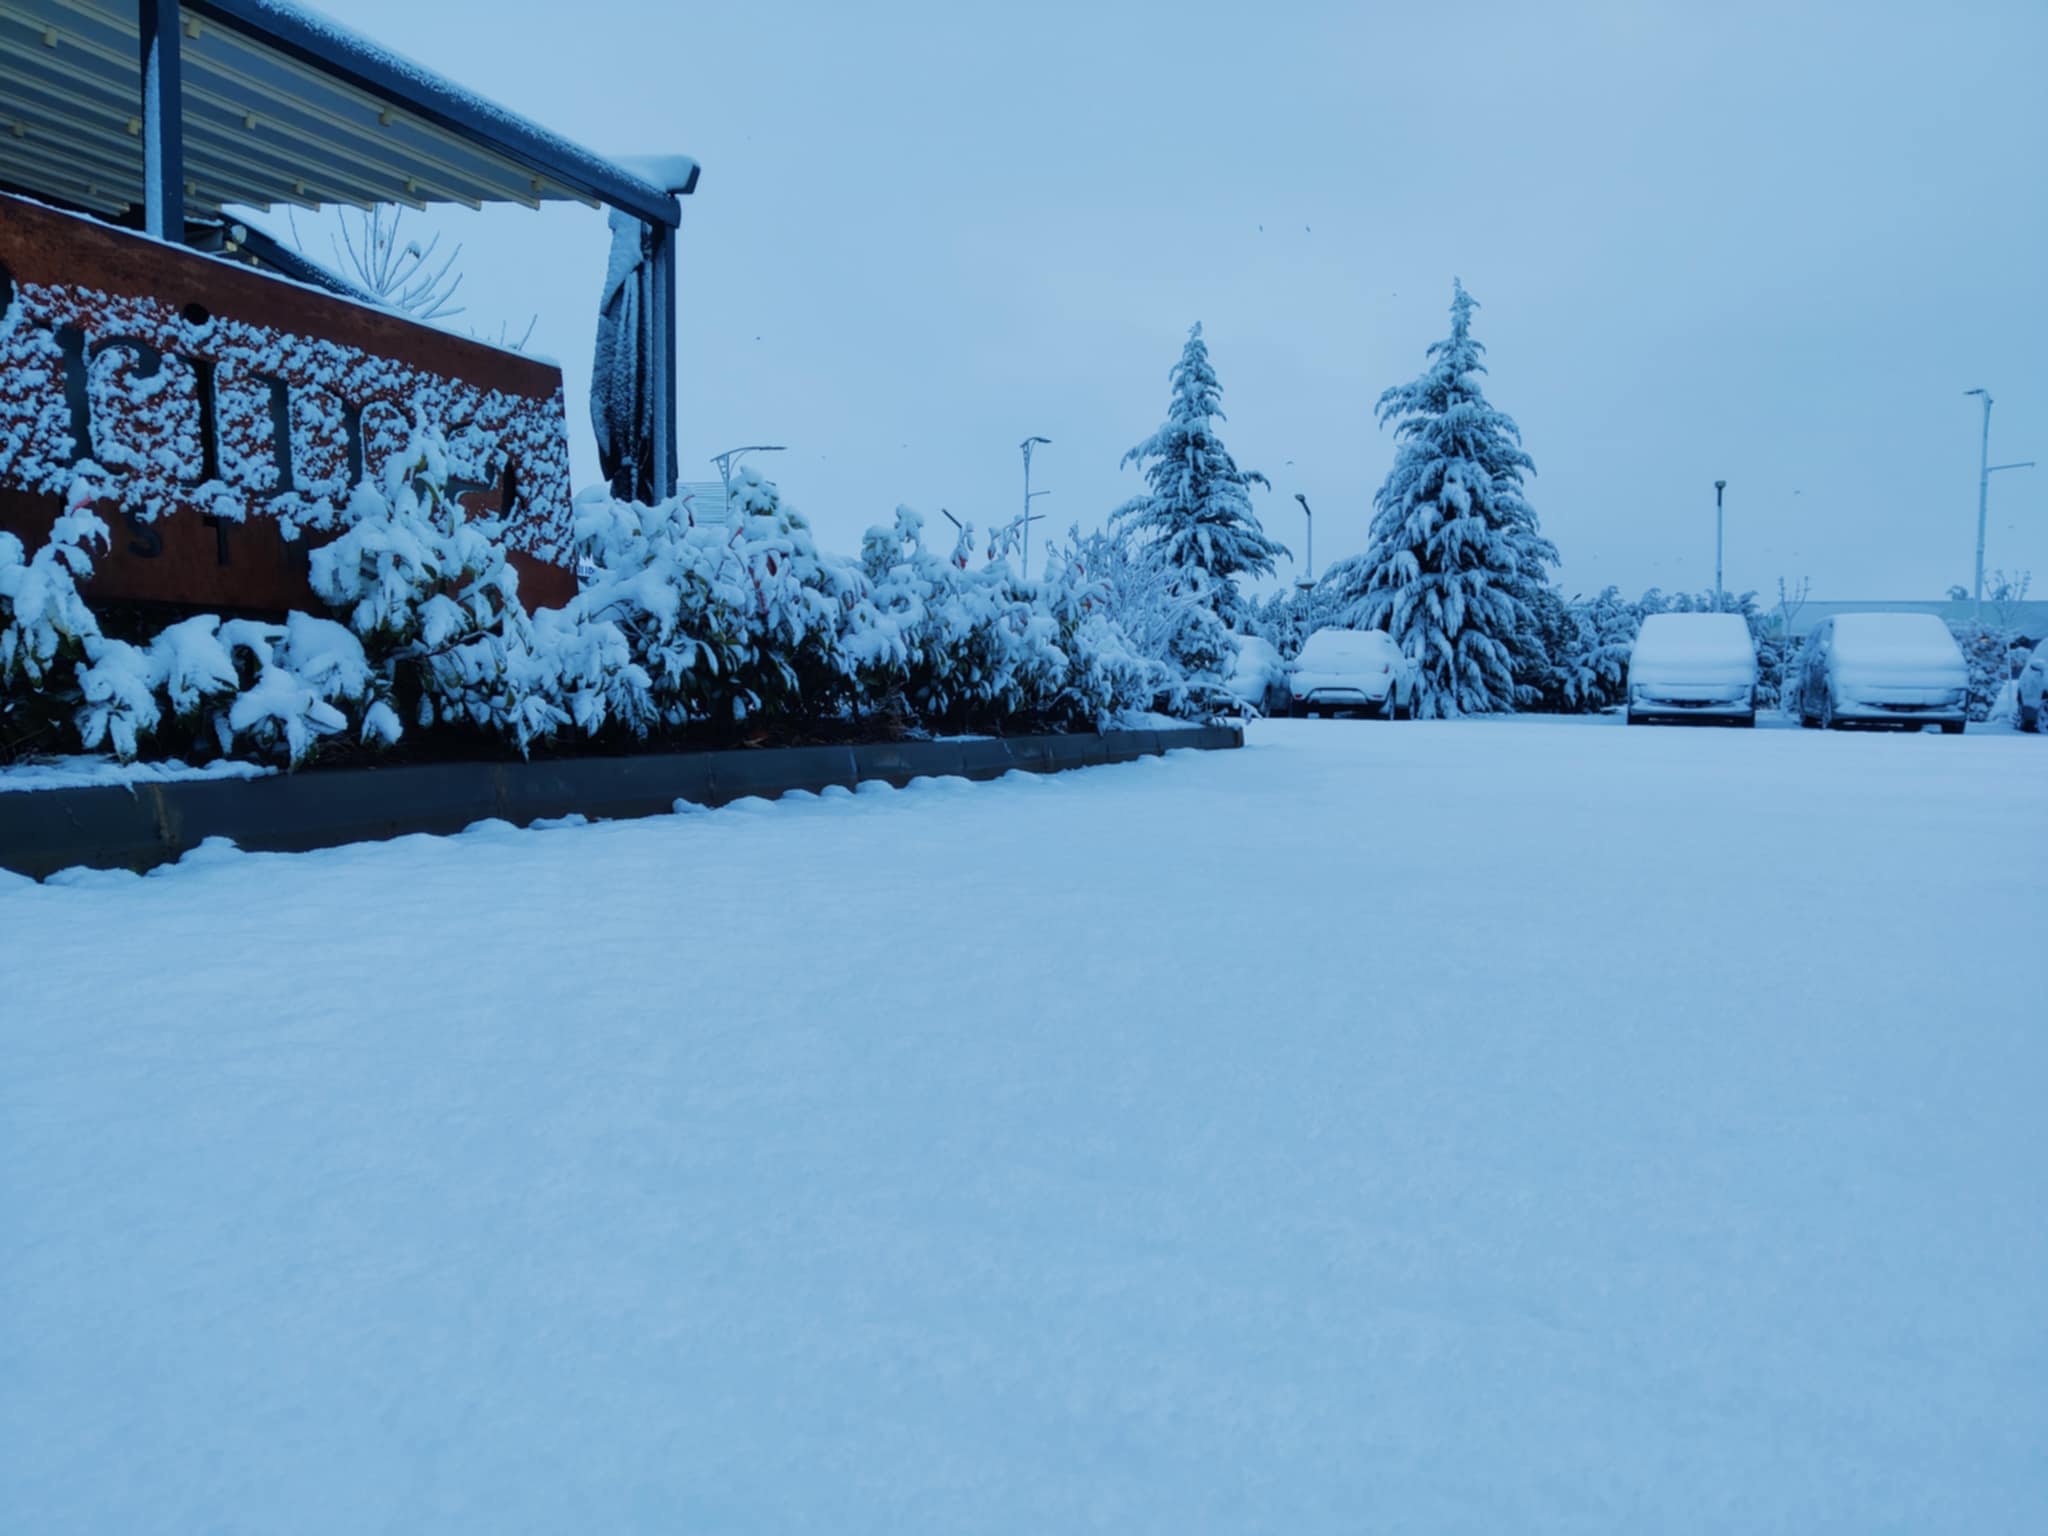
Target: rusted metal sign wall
point(220, 419)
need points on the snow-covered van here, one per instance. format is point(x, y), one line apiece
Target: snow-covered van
point(1883, 668)
point(1352, 669)
point(2031, 689)
point(1693, 666)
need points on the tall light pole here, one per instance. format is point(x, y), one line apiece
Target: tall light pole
point(1026, 446)
point(1308, 575)
point(730, 457)
point(1719, 487)
point(1985, 470)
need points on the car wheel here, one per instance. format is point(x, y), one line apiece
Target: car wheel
point(1747, 722)
point(1951, 727)
point(2037, 720)
point(1827, 711)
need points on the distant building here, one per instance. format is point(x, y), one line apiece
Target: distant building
point(2029, 618)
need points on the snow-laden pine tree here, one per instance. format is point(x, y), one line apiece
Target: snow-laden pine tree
point(1455, 555)
point(1198, 523)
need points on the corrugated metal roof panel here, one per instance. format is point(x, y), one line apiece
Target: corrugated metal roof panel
point(280, 106)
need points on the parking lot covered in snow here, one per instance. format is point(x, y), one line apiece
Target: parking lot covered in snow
point(1471, 1126)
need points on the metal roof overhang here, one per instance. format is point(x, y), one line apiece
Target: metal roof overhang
point(278, 105)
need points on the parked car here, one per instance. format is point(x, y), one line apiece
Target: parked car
point(1883, 669)
point(1259, 680)
point(1352, 669)
point(1693, 666)
point(2032, 690)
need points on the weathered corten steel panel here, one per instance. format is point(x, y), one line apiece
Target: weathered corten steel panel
point(207, 410)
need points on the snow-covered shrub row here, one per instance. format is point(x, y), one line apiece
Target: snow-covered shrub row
point(675, 625)
point(756, 621)
point(1995, 653)
point(200, 686)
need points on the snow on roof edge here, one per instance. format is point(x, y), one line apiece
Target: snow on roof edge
point(280, 22)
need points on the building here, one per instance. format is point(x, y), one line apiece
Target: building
point(224, 392)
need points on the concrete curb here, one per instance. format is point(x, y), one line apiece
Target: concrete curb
point(43, 831)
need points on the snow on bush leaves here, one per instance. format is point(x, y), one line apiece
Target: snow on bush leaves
point(675, 625)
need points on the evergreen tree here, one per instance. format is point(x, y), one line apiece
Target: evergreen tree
point(1455, 558)
point(1198, 523)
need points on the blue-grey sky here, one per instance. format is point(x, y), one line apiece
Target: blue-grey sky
point(1771, 243)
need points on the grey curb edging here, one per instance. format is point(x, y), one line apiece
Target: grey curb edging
point(120, 827)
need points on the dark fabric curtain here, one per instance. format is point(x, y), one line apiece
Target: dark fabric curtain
point(621, 381)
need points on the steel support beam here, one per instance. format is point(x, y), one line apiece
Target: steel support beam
point(163, 121)
point(662, 380)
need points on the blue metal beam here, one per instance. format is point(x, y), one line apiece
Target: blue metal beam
point(163, 121)
point(663, 426)
point(346, 57)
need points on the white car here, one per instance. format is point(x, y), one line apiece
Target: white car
point(1352, 669)
point(1883, 669)
point(1693, 666)
point(1259, 680)
point(2032, 690)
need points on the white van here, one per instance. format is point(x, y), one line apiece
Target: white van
point(1693, 666)
point(1883, 669)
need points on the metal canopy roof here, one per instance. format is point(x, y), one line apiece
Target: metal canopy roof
point(279, 105)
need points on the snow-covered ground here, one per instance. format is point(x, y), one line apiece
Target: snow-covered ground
point(1443, 1127)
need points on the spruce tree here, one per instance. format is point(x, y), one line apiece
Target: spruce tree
point(1455, 557)
point(1198, 523)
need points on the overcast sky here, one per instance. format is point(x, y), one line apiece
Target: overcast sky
point(1772, 244)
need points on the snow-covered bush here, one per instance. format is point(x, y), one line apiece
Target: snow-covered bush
point(715, 623)
point(46, 630)
point(429, 592)
point(1989, 649)
point(118, 706)
point(1167, 618)
point(676, 626)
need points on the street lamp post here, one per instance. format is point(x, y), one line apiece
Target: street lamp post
point(1719, 487)
point(730, 457)
point(1985, 470)
point(1308, 575)
point(1026, 520)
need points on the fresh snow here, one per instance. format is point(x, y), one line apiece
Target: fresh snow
point(1464, 1127)
point(89, 771)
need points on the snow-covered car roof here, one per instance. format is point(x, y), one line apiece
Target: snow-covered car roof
point(1691, 638)
point(1895, 637)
